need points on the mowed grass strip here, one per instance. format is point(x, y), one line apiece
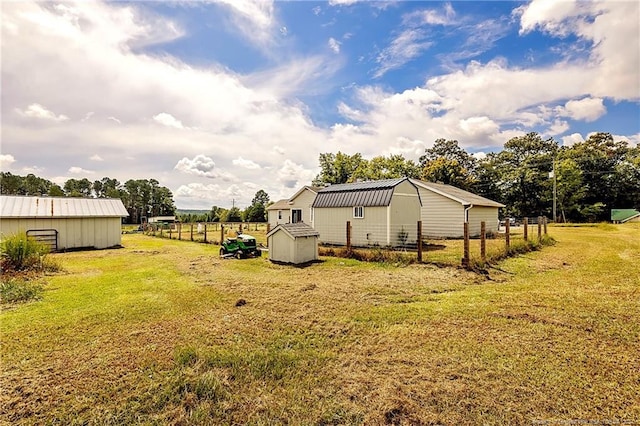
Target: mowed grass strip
point(151, 334)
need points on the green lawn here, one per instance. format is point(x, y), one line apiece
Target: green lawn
point(151, 334)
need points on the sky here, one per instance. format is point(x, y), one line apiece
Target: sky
point(219, 99)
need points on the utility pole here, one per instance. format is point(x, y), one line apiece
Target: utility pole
point(554, 190)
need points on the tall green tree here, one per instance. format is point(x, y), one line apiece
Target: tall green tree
point(337, 168)
point(381, 167)
point(446, 162)
point(78, 188)
point(524, 166)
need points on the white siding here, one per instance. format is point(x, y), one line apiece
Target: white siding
point(404, 213)
point(274, 220)
point(283, 248)
point(303, 202)
point(331, 223)
point(487, 214)
point(441, 217)
point(72, 232)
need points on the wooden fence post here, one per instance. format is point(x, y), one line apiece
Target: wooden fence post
point(526, 228)
point(483, 241)
point(465, 253)
point(191, 231)
point(539, 228)
point(420, 241)
point(170, 227)
point(506, 234)
point(179, 230)
point(205, 232)
point(348, 236)
point(221, 234)
point(544, 222)
point(240, 228)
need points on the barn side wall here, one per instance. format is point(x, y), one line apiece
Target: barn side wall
point(487, 214)
point(73, 233)
point(441, 217)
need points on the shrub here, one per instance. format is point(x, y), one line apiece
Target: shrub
point(20, 253)
point(16, 290)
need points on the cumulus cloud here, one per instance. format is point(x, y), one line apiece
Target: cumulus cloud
point(6, 160)
point(254, 18)
point(168, 120)
point(572, 139)
point(200, 165)
point(292, 175)
point(40, 112)
point(588, 109)
point(247, 164)
point(446, 16)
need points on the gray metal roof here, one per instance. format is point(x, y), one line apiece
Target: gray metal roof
point(295, 230)
point(56, 207)
point(365, 194)
point(457, 194)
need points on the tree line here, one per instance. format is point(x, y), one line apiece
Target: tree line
point(141, 197)
point(255, 212)
point(590, 178)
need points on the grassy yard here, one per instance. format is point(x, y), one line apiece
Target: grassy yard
point(157, 333)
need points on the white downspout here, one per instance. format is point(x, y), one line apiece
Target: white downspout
point(466, 213)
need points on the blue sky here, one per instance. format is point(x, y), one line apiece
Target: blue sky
point(218, 99)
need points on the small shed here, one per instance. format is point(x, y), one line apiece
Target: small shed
point(64, 223)
point(625, 215)
point(293, 243)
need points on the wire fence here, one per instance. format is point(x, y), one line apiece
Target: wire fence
point(402, 243)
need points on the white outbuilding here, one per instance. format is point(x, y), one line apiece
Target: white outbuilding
point(446, 208)
point(293, 243)
point(64, 223)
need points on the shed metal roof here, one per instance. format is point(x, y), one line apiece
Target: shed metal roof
point(365, 194)
point(57, 207)
point(457, 194)
point(295, 230)
point(623, 215)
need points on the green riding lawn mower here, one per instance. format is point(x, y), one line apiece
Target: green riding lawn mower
point(240, 247)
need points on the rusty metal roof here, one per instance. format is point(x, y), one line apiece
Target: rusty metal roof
point(57, 207)
point(366, 194)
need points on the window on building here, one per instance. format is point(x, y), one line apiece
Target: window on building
point(279, 214)
point(358, 212)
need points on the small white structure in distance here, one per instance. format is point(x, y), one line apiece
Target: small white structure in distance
point(294, 243)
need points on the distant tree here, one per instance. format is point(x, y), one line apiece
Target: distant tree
point(381, 167)
point(449, 150)
point(78, 188)
point(56, 191)
point(216, 213)
point(261, 197)
point(233, 215)
point(11, 184)
point(570, 189)
point(446, 162)
point(523, 167)
point(337, 168)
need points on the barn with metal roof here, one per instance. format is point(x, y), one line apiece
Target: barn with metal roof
point(64, 223)
point(383, 212)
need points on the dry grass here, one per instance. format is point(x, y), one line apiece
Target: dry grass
point(152, 334)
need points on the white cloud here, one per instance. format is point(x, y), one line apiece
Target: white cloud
point(446, 16)
point(632, 140)
point(334, 45)
point(38, 111)
point(254, 18)
point(80, 171)
point(342, 2)
point(558, 127)
point(96, 157)
point(87, 117)
point(6, 160)
point(115, 120)
point(168, 120)
point(572, 139)
point(292, 175)
point(200, 165)
point(480, 155)
point(407, 46)
point(247, 164)
point(588, 109)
